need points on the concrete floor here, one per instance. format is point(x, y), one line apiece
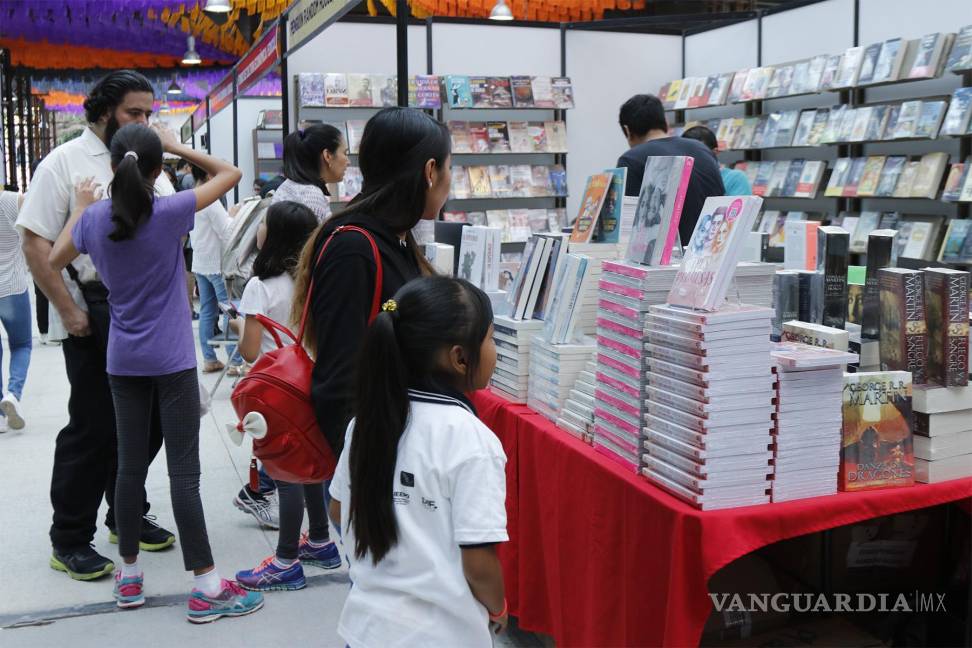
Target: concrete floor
point(42, 607)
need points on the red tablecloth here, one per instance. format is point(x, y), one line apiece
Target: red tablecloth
point(600, 557)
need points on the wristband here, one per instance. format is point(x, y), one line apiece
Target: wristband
point(502, 613)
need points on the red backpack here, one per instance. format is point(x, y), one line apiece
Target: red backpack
point(274, 403)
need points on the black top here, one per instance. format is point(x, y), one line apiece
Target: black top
point(706, 178)
point(344, 285)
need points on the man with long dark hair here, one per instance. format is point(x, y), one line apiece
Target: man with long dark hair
point(85, 453)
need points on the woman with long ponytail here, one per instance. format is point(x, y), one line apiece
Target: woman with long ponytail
point(420, 488)
point(134, 239)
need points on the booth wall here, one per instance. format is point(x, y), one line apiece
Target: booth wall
point(355, 47)
point(495, 50)
point(247, 111)
point(727, 48)
point(602, 67)
point(221, 134)
point(819, 28)
point(883, 19)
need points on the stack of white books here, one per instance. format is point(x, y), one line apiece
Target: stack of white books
point(943, 433)
point(710, 404)
point(577, 417)
point(587, 302)
point(807, 433)
point(753, 283)
point(512, 338)
point(625, 292)
point(553, 372)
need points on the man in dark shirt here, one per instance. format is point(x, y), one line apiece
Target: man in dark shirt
point(642, 120)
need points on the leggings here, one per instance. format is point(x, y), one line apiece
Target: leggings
point(292, 498)
point(178, 402)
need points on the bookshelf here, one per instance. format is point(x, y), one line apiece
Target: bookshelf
point(265, 166)
point(886, 95)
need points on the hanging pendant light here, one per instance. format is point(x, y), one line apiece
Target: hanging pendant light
point(174, 88)
point(164, 107)
point(191, 57)
point(218, 6)
point(501, 11)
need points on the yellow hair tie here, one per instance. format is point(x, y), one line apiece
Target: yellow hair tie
point(389, 306)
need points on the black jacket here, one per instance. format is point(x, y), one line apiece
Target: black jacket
point(344, 284)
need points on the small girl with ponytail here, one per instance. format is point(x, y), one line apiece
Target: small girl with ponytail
point(135, 242)
point(420, 487)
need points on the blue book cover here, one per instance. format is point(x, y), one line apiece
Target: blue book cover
point(609, 222)
point(458, 92)
point(558, 179)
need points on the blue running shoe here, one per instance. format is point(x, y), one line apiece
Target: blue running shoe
point(326, 557)
point(128, 591)
point(231, 601)
point(269, 576)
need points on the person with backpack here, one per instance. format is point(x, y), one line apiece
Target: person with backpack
point(269, 293)
point(405, 163)
point(312, 157)
point(134, 240)
point(420, 487)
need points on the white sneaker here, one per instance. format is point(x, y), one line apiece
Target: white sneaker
point(9, 406)
point(3, 425)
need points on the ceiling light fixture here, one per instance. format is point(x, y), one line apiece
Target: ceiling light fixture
point(191, 57)
point(218, 6)
point(501, 11)
point(174, 88)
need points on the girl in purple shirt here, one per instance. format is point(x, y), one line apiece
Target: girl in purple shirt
point(134, 239)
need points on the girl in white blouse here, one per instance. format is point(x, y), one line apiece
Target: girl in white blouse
point(14, 311)
point(312, 158)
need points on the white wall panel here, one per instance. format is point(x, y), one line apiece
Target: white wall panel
point(497, 50)
point(884, 19)
point(819, 28)
point(606, 69)
point(726, 49)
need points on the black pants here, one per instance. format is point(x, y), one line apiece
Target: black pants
point(40, 302)
point(176, 397)
point(292, 499)
point(85, 453)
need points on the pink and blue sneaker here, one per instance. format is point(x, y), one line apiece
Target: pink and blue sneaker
point(325, 556)
point(231, 601)
point(128, 591)
point(272, 576)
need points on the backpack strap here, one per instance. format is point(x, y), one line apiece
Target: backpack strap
point(379, 275)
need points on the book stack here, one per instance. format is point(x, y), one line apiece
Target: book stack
point(807, 430)
point(753, 283)
point(943, 445)
point(625, 292)
point(598, 253)
point(710, 404)
point(554, 369)
point(577, 417)
point(512, 338)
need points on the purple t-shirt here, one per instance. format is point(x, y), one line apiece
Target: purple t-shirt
point(151, 326)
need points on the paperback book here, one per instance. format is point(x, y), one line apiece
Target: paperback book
point(947, 304)
point(595, 193)
point(659, 210)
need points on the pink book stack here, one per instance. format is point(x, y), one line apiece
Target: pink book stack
point(625, 291)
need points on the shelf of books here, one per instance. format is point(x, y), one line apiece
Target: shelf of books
point(835, 156)
point(509, 141)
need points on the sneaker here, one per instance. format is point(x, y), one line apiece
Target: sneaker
point(9, 406)
point(264, 508)
point(128, 591)
point(326, 557)
point(269, 576)
point(83, 563)
point(236, 371)
point(233, 600)
point(3, 425)
point(153, 538)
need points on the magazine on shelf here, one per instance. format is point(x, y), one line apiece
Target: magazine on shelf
point(960, 58)
point(871, 176)
point(500, 219)
point(563, 92)
point(959, 111)
point(955, 236)
point(850, 68)
point(500, 94)
point(310, 86)
point(830, 70)
point(556, 136)
point(595, 193)
point(499, 180)
point(954, 181)
point(710, 259)
point(479, 92)
point(869, 63)
point(519, 133)
point(499, 138)
point(736, 88)
point(336, 89)
point(461, 188)
point(928, 55)
point(522, 88)
point(458, 132)
point(479, 182)
point(888, 66)
point(537, 132)
point(660, 200)
point(928, 176)
point(890, 173)
point(360, 92)
point(930, 119)
point(458, 91)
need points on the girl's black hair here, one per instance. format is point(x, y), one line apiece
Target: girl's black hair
point(302, 153)
point(395, 145)
point(132, 189)
point(289, 225)
point(402, 349)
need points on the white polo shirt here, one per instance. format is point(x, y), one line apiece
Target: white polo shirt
point(50, 199)
point(449, 490)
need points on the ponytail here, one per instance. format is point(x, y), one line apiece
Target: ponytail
point(136, 156)
point(402, 349)
point(374, 447)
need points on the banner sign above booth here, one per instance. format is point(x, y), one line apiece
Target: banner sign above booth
point(307, 17)
point(260, 60)
point(222, 95)
point(198, 117)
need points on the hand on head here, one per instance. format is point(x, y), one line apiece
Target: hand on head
point(86, 192)
point(166, 134)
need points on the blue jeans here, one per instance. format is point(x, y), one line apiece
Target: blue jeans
point(212, 291)
point(15, 317)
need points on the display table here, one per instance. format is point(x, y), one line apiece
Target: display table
point(598, 556)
